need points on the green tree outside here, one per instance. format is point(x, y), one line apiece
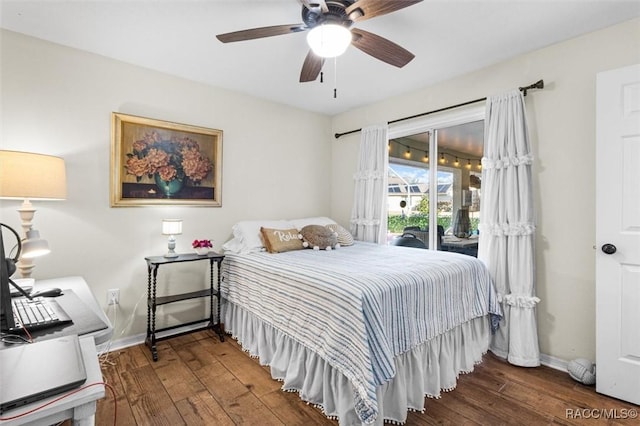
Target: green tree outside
point(396, 223)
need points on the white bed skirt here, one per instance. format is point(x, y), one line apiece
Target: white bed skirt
point(426, 370)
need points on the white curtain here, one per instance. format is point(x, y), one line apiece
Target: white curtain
point(369, 213)
point(507, 228)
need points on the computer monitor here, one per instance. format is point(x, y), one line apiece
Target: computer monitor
point(6, 311)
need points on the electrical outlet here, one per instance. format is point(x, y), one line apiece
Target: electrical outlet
point(113, 296)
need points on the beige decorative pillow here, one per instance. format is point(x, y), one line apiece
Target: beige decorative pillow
point(344, 237)
point(281, 240)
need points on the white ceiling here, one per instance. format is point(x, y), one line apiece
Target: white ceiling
point(448, 37)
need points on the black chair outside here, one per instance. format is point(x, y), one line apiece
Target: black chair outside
point(423, 234)
point(408, 240)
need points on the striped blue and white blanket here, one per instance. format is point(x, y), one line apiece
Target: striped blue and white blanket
point(360, 306)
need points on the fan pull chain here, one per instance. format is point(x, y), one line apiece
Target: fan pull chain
point(335, 77)
point(321, 77)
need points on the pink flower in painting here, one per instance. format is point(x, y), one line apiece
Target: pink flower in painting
point(139, 146)
point(195, 165)
point(187, 143)
point(137, 166)
point(170, 159)
point(157, 159)
point(167, 173)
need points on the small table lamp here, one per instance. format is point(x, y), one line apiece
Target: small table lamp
point(29, 176)
point(171, 227)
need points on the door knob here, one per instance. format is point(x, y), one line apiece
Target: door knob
point(609, 248)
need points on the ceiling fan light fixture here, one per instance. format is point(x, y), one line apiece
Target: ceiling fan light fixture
point(329, 40)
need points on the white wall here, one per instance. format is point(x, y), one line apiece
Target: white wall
point(58, 101)
point(562, 127)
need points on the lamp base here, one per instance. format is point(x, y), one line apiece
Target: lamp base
point(171, 247)
point(26, 212)
point(26, 267)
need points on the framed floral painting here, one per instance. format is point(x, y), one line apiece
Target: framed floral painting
point(157, 162)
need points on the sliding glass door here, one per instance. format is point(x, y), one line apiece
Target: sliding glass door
point(460, 151)
point(434, 189)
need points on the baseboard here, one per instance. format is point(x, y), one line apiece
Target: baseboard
point(553, 362)
point(116, 345)
point(126, 342)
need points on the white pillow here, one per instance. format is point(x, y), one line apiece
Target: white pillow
point(246, 235)
point(321, 220)
point(234, 245)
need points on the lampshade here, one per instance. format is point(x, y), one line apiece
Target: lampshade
point(26, 175)
point(329, 40)
point(34, 246)
point(171, 226)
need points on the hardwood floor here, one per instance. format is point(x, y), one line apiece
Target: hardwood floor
point(199, 380)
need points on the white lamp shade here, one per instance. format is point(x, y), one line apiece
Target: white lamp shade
point(34, 246)
point(329, 40)
point(26, 175)
point(171, 226)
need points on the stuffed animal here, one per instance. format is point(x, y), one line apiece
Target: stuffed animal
point(319, 237)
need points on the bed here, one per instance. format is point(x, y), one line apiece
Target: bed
point(363, 332)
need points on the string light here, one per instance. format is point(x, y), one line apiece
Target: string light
point(442, 159)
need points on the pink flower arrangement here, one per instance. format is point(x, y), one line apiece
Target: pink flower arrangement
point(201, 244)
point(170, 159)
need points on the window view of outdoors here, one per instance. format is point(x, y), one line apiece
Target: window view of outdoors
point(458, 186)
point(408, 199)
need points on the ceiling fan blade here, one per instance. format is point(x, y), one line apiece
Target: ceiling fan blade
point(381, 48)
point(367, 9)
point(261, 32)
point(311, 67)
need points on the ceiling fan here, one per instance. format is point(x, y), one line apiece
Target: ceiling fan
point(319, 16)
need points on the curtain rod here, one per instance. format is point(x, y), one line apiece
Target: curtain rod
point(537, 85)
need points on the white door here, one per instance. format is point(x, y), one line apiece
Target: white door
point(618, 233)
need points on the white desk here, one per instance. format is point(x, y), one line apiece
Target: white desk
point(81, 288)
point(80, 406)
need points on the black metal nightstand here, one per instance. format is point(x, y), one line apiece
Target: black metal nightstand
point(153, 301)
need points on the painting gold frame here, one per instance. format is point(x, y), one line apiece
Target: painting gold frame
point(155, 163)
